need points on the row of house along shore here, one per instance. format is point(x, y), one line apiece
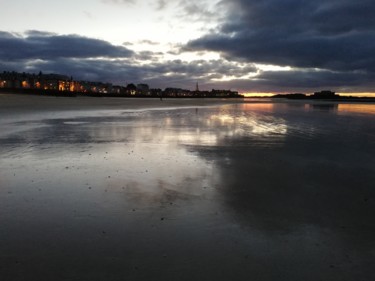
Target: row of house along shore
point(62, 84)
point(52, 82)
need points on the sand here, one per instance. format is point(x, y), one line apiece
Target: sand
point(139, 189)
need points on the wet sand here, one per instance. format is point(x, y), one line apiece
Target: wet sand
point(139, 189)
point(23, 102)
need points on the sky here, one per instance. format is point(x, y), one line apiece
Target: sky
point(251, 46)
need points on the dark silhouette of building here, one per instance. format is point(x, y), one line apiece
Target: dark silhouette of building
point(62, 84)
point(324, 94)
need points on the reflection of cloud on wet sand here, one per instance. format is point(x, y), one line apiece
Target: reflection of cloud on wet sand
point(310, 199)
point(186, 126)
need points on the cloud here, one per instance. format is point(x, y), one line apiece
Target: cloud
point(162, 4)
point(45, 46)
point(148, 42)
point(97, 60)
point(200, 11)
point(93, 59)
point(305, 81)
point(158, 5)
point(336, 35)
point(128, 2)
point(148, 56)
point(210, 74)
point(312, 80)
point(35, 33)
point(110, 66)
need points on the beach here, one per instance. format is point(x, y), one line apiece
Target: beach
point(186, 189)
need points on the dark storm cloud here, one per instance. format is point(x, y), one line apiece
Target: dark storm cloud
point(335, 35)
point(46, 46)
point(116, 71)
point(310, 81)
point(149, 56)
point(97, 60)
point(183, 74)
point(200, 68)
point(157, 72)
point(306, 81)
point(38, 33)
point(178, 73)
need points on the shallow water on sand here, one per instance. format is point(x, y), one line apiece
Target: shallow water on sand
point(252, 191)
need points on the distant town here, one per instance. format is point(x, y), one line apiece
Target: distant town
point(58, 84)
point(326, 94)
point(322, 95)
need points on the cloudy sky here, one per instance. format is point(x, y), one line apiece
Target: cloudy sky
point(253, 46)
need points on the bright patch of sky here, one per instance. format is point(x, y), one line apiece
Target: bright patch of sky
point(269, 67)
point(161, 23)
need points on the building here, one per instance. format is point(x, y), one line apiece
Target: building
point(324, 94)
point(143, 89)
point(62, 83)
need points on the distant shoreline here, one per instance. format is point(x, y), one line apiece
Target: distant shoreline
point(58, 93)
point(335, 98)
point(12, 103)
point(68, 94)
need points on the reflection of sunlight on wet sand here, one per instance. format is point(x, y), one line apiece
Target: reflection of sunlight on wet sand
point(251, 125)
point(195, 138)
point(145, 153)
point(268, 107)
point(210, 128)
point(248, 123)
point(356, 108)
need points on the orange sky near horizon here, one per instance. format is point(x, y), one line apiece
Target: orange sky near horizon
point(249, 95)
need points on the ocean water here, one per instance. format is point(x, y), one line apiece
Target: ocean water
point(246, 191)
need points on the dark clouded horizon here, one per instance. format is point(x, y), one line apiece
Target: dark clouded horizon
point(255, 46)
point(334, 35)
point(47, 46)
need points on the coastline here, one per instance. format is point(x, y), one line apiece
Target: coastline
point(19, 103)
point(335, 98)
point(50, 92)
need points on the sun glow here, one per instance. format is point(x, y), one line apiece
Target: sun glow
point(369, 95)
point(269, 67)
point(256, 95)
